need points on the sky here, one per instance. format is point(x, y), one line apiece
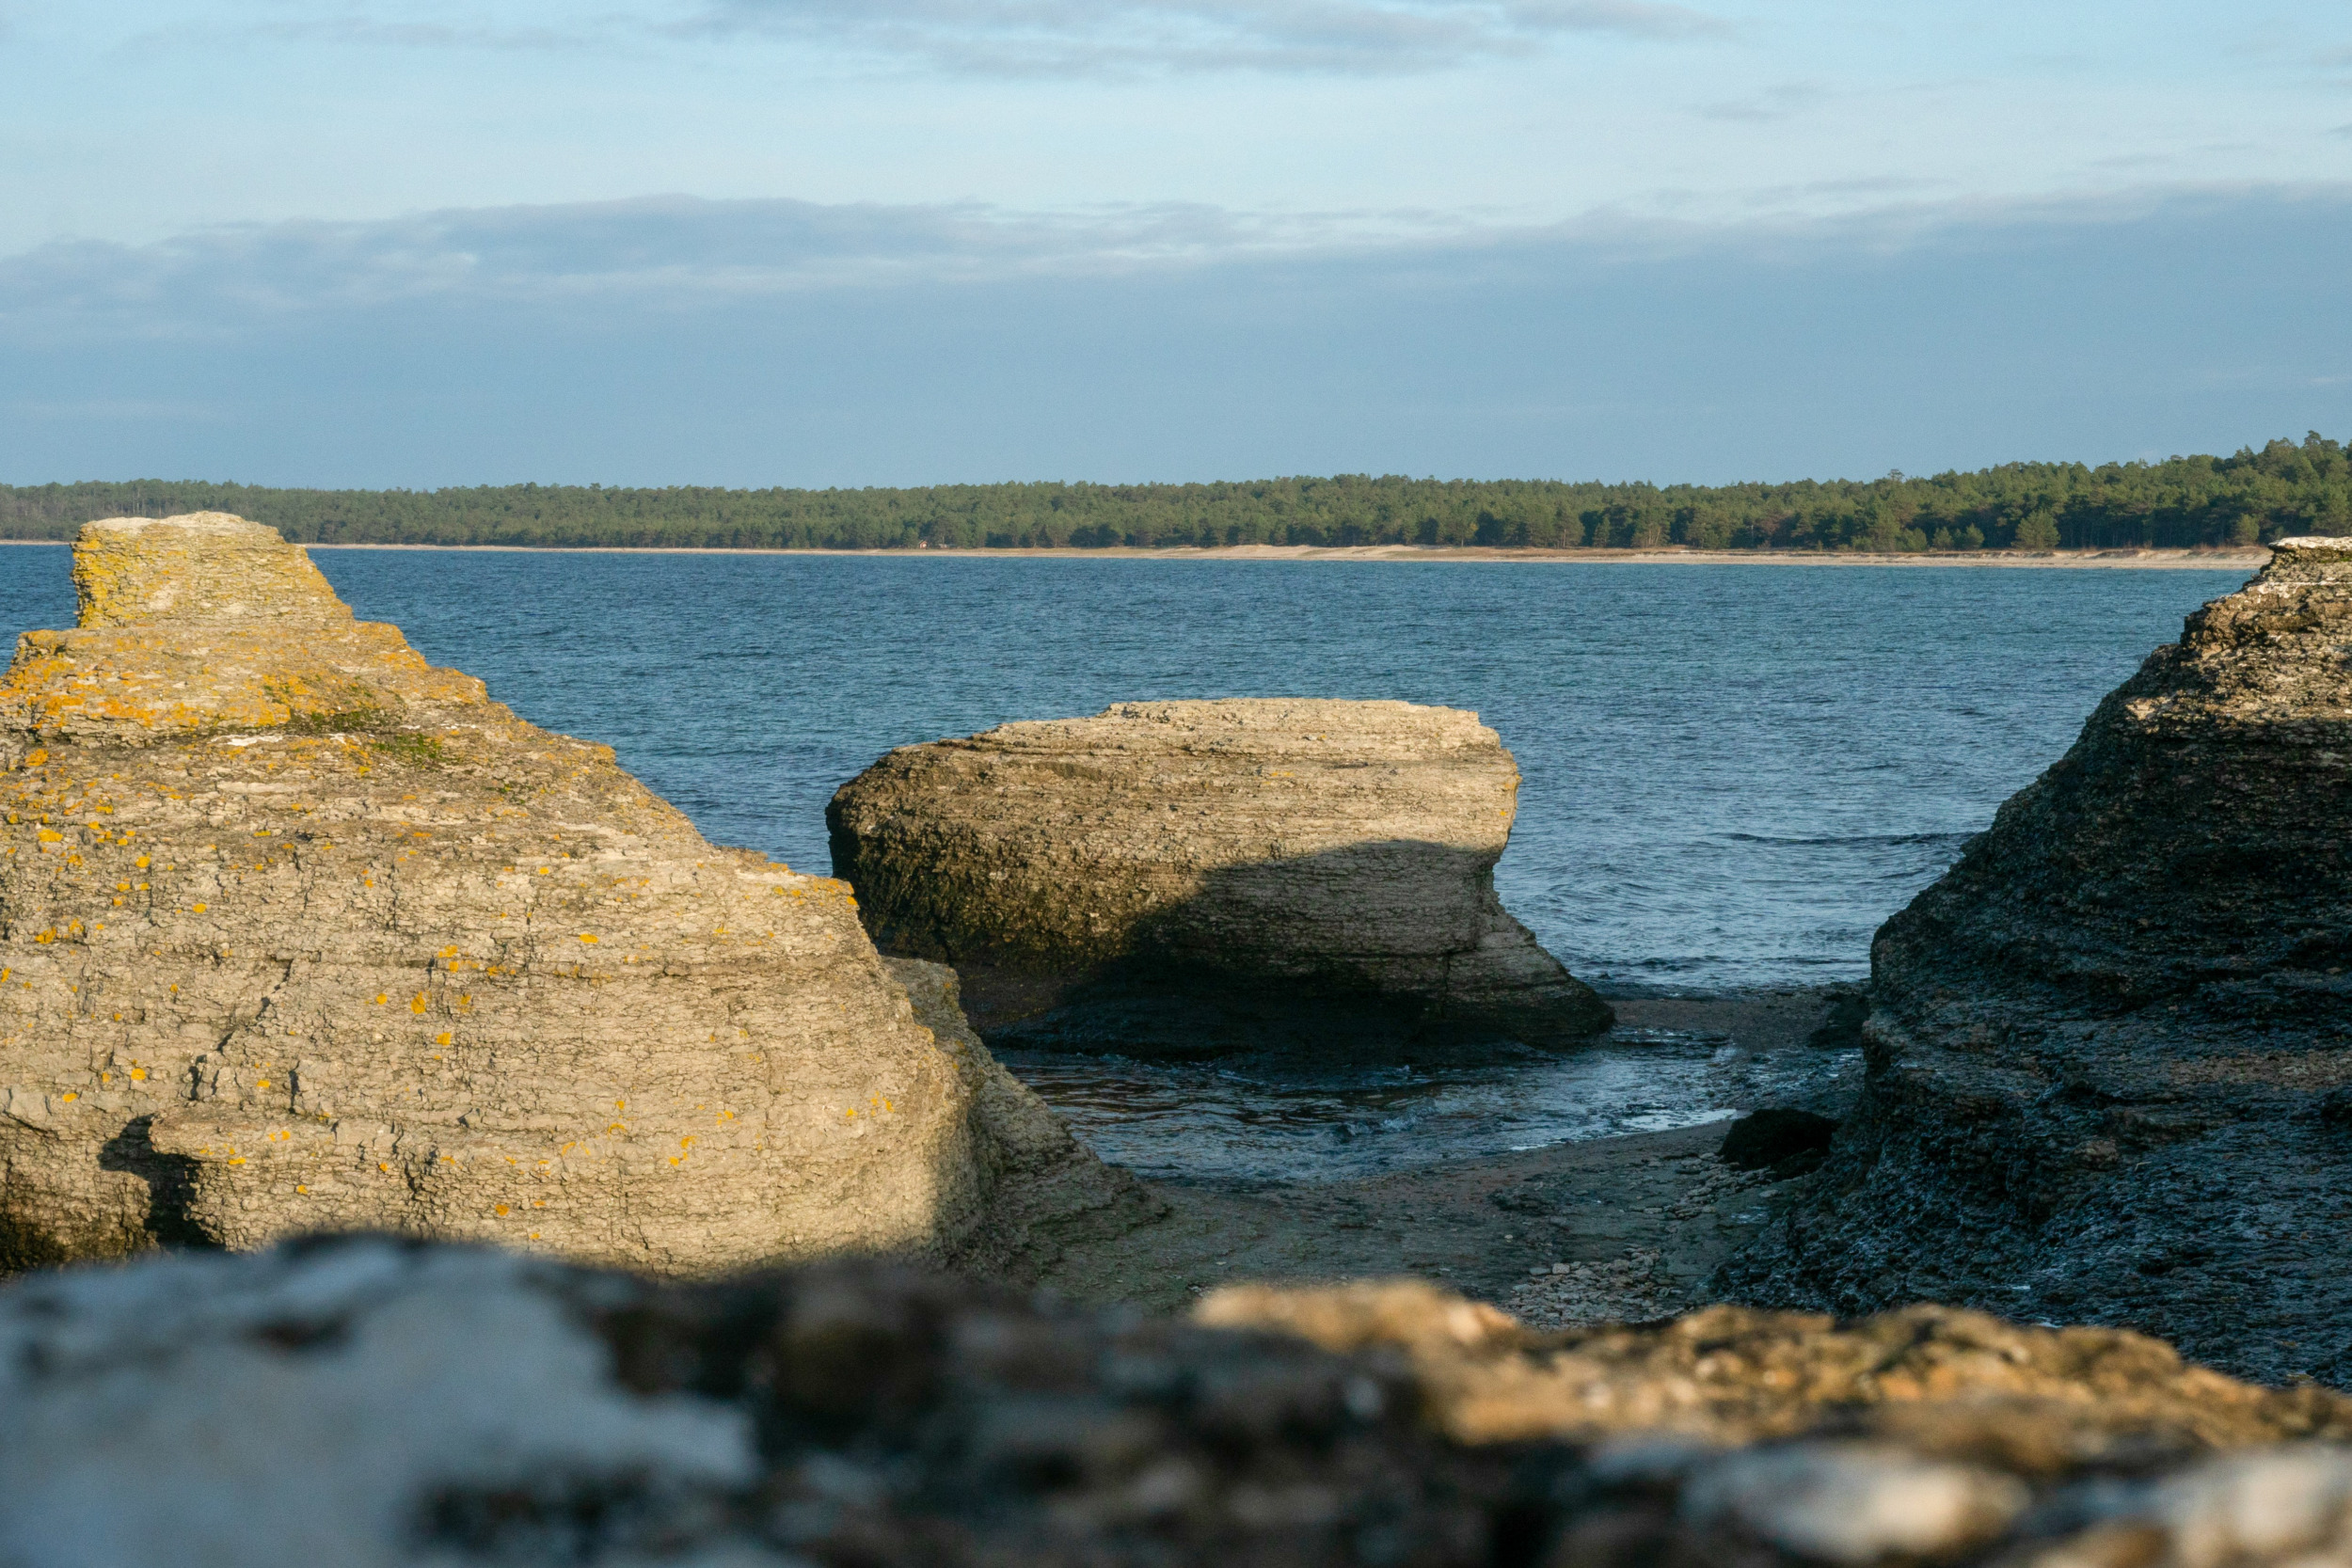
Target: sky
point(881, 242)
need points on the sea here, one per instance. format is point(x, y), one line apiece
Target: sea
point(1732, 773)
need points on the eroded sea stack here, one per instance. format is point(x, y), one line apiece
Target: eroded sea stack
point(298, 932)
point(2110, 1051)
point(1340, 850)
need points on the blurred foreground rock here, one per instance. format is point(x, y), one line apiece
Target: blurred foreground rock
point(300, 933)
point(2110, 1051)
point(1258, 852)
point(366, 1402)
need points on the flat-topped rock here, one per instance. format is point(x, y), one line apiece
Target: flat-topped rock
point(204, 568)
point(2107, 1050)
point(1342, 850)
point(298, 932)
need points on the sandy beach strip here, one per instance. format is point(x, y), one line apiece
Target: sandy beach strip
point(2135, 560)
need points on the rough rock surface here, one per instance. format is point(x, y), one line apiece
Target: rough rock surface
point(2106, 1050)
point(298, 932)
point(1045, 1189)
point(369, 1403)
point(1339, 849)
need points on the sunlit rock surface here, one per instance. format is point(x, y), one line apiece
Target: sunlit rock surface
point(2110, 1051)
point(368, 1402)
point(298, 932)
point(1340, 850)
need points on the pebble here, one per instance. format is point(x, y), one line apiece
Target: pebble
point(1853, 1502)
point(2266, 1507)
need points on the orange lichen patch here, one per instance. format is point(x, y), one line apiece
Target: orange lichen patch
point(417, 1005)
point(441, 1038)
point(142, 682)
point(206, 567)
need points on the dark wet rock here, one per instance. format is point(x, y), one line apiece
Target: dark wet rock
point(1317, 870)
point(364, 1402)
point(1841, 1030)
point(2102, 1048)
point(1778, 1139)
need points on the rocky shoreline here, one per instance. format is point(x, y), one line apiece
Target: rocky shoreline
point(365, 1402)
point(301, 937)
point(1625, 1228)
point(2110, 1059)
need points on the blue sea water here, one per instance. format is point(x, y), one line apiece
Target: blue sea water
point(1732, 773)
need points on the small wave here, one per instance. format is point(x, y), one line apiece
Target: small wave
point(1853, 840)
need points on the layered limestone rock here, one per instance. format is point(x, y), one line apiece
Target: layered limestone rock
point(298, 933)
point(2110, 1051)
point(1046, 1190)
point(1338, 849)
point(368, 1403)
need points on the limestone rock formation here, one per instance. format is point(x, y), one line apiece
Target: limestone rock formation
point(1045, 1189)
point(2103, 1050)
point(367, 1402)
point(1339, 849)
point(298, 932)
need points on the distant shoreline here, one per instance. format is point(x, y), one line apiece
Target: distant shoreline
point(2144, 560)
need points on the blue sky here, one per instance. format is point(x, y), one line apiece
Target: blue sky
point(815, 242)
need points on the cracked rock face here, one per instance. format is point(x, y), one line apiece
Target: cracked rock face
point(2110, 1051)
point(368, 1402)
point(298, 933)
point(1343, 850)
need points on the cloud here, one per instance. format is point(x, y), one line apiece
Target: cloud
point(683, 254)
point(1084, 37)
point(1785, 102)
point(422, 35)
point(675, 341)
point(359, 29)
point(662, 251)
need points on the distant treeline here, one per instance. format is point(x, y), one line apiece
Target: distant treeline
point(2283, 489)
